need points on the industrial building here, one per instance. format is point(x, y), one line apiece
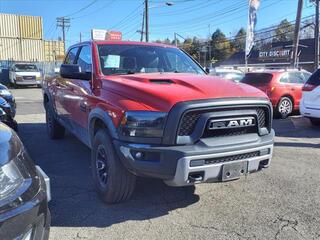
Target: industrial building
point(21, 39)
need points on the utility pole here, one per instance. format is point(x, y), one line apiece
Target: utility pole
point(142, 27)
point(80, 36)
point(146, 11)
point(64, 23)
point(295, 49)
point(209, 44)
point(175, 40)
point(176, 35)
point(316, 36)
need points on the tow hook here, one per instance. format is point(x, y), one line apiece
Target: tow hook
point(195, 177)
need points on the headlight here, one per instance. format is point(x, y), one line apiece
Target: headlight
point(10, 179)
point(4, 103)
point(143, 124)
point(19, 78)
point(5, 92)
point(2, 115)
point(2, 112)
point(39, 78)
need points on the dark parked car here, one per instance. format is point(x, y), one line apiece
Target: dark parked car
point(7, 113)
point(283, 87)
point(24, 192)
point(8, 96)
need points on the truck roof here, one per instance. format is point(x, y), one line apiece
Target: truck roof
point(126, 43)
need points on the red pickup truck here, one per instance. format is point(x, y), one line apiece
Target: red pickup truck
point(150, 110)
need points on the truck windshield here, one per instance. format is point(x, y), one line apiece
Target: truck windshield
point(131, 59)
point(25, 68)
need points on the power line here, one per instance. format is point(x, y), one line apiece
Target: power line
point(97, 10)
point(206, 17)
point(81, 9)
point(195, 25)
point(125, 18)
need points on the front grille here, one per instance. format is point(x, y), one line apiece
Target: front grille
point(232, 158)
point(261, 113)
point(29, 78)
point(189, 121)
point(227, 132)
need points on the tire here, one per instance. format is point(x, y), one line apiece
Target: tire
point(15, 85)
point(315, 121)
point(114, 183)
point(284, 108)
point(54, 128)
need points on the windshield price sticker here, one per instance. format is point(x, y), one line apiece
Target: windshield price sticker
point(112, 61)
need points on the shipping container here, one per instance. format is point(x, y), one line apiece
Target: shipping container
point(53, 50)
point(10, 49)
point(30, 27)
point(32, 50)
point(9, 25)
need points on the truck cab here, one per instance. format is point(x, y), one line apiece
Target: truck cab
point(150, 110)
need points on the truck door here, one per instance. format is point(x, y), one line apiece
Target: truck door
point(81, 95)
point(62, 89)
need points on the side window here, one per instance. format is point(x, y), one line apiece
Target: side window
point(284, 78)
point(71, 56)
point(176, 64)
point(85, 59)
point(296, 77)
point(306, 76)
point(314, 78)
point(293, 77)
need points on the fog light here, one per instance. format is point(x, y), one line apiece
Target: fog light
point(264, 152)
point(197, 163)
point(138, 155)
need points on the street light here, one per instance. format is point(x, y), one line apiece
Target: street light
point(146, 13)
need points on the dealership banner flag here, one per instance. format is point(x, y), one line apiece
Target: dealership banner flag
point(252, 21)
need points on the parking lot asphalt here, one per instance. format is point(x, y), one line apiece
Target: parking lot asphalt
point(281, 202)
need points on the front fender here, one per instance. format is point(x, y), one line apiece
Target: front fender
point(100, 114)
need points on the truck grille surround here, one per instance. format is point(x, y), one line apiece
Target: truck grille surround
point(190, 118)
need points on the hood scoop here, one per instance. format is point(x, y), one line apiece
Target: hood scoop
point(161, 81)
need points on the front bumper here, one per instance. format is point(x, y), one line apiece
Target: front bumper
point(28, 82)
point(29, 219)
point(173, 163)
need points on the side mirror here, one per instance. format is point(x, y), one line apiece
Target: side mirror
point(207, 70)
point(73, 71)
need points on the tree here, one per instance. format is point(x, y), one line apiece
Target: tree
point(221, 46)
point(239, 41)
point(167, 41)
point(191, 46)
point(284, 32)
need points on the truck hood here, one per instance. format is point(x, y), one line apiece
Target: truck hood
point(160, 91)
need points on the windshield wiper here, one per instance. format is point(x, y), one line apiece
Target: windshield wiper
point(124, 73)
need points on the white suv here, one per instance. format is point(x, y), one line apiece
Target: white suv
point(25, 74)
point(310, 103)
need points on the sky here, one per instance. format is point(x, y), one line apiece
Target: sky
point(188, 18)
